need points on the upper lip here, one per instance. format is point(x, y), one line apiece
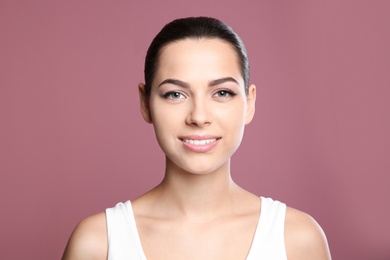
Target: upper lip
point(199, 137)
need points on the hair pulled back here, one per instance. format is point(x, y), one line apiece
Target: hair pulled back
point(193, 28)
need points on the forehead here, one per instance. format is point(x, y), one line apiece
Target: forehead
point(201, 58)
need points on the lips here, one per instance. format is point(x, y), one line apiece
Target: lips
point(199, 144)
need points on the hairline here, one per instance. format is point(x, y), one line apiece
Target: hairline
point(198, 38)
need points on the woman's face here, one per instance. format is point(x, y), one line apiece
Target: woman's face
point(198, 105)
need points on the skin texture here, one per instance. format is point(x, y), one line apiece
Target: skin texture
point(197, 211)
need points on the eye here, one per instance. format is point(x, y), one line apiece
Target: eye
point(173, 95)
point(224, 94)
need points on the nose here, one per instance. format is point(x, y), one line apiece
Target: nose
point(199, 114)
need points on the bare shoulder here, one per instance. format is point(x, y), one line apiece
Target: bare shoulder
point(304, 237)
point(88, 240)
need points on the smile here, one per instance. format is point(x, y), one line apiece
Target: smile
point(200, 142)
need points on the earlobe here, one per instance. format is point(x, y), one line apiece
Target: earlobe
point(251, 102)
point(144, 103)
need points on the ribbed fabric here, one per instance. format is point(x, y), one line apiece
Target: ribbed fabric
point(268, 243)
point(123, 239)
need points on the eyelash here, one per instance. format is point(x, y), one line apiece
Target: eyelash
point(170, 95)
point(227, 93)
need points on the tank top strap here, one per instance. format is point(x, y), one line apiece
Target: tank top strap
point(123, 237)
point(268, 241)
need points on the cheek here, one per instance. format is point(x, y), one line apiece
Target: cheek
point(234, 115)
point(166, 121)
point(235, 121)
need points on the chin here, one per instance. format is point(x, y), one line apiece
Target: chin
point(200, 164)
point(200, 171)
point(204, 170)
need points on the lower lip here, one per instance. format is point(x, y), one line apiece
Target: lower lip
point(200, 148)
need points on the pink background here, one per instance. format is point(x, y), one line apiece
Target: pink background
point(72, 141)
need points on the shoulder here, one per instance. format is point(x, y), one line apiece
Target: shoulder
point(304, 237)
point(88, 240)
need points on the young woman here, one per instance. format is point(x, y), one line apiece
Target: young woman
point(198, 97)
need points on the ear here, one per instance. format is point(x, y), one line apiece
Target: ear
point(251, 102)
point(144, 103)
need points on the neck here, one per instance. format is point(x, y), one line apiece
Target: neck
point(197, 195)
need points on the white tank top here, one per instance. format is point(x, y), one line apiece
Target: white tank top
point(268, 243)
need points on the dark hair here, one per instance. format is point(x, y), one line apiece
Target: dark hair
point(193, 28)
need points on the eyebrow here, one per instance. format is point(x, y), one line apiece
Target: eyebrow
point(186, 85)
point(222, 80)
point(175, 82)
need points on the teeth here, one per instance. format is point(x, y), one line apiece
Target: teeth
point(199, 142)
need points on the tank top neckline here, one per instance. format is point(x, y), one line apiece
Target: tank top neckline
point(138, 239)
